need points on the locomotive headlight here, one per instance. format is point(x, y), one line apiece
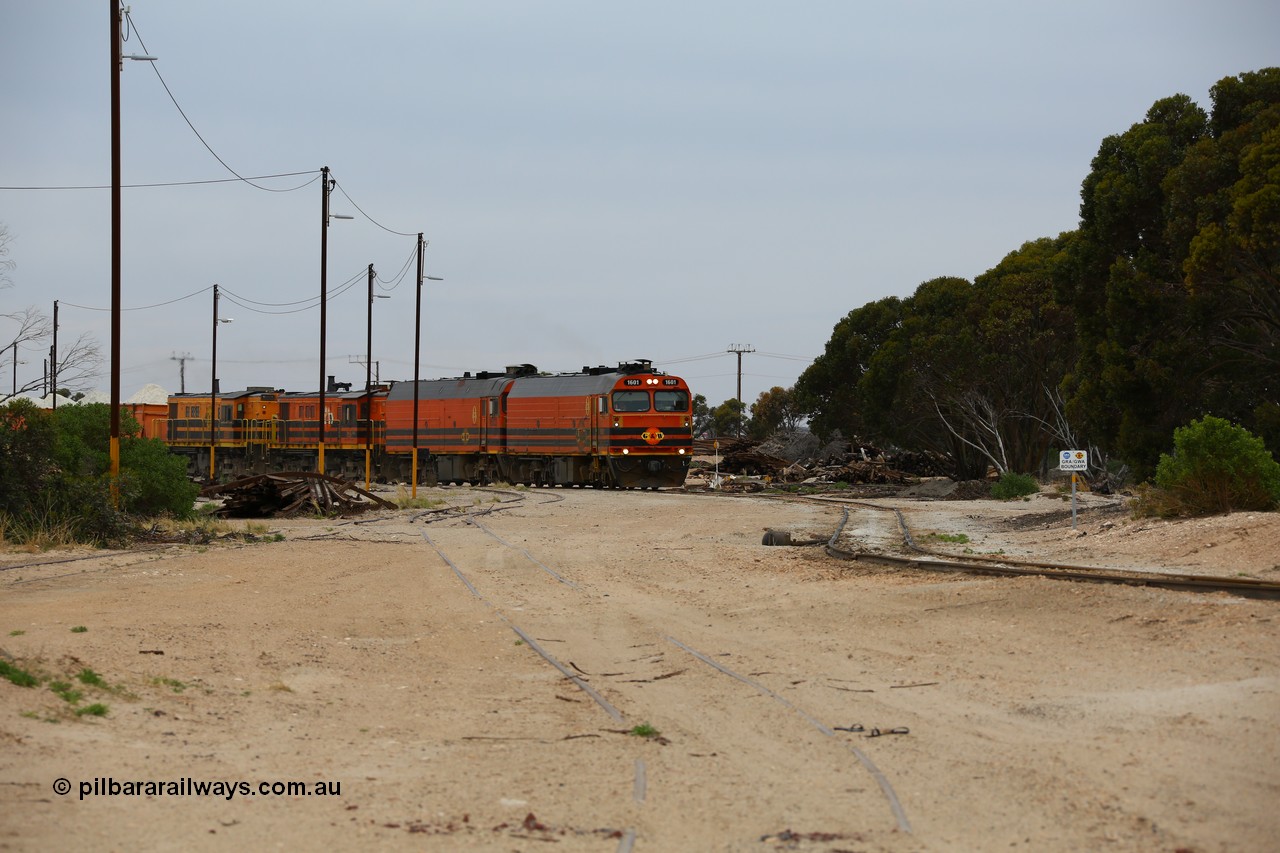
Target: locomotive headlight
point(626, 451)
point(682, 451)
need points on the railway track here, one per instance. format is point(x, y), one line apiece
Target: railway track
point(623, 707)
point(930, 559)
point(756, 663)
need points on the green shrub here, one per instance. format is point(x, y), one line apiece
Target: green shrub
point(1216, 467)
point(152, 481)
point(17, 675)
point(55, 483)
point(1011, 486)
point(26, 455)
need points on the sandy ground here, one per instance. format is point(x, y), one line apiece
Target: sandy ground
point(724, 694)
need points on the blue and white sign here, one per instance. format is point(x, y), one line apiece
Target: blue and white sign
point(1074, 460)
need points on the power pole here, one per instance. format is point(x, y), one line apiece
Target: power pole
point(182, 368)
point(738, 350)
point(53, 357)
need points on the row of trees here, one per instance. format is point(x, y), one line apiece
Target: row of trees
point(774, 411)
point(1163, 306)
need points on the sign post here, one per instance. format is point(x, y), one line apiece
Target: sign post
point(1073, 461)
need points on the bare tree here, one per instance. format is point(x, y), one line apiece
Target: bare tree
point(6, 263)
point(30, 330)
point(980, 426)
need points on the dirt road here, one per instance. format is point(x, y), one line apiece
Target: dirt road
point(606, 671)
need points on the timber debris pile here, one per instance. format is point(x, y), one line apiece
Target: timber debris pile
point(286, 494)
point(838, 462)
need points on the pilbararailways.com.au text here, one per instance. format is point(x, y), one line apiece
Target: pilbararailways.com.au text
point(188, 787)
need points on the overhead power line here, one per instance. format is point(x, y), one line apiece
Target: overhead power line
point(686, 359)
point(804, 358)
point(242, 301)
point(311, 181)
point(368, 217)
point(66, 304)
point(208, 147)
point(398, 278)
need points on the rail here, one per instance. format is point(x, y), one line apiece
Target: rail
point(992, 565)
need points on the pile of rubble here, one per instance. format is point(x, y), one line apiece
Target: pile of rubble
point(288, 493)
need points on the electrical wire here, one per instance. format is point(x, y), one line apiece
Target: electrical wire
point(134, 27)
point(704, 357)
point(783, 356)
point(392, 284)
point(230, 298)
point(240, 300)
point(367, 216)
point(243, 302)
point(307, 304)
point(140, 307)
point(313, 179)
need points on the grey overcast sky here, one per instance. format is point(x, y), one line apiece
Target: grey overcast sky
point(599, 181)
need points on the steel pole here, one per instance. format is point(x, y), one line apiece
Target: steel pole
point(1073, 500)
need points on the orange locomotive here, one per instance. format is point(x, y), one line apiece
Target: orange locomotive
point(623, 427)
point(629, 427)
point(267, 429)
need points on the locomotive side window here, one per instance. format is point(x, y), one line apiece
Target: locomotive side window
point(671, 401)
point(631, 401)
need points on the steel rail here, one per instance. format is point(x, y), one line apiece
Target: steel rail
point(981, 564)
point(104, 556)
point(887, 789)
point(532, 643)
point(627, 842)
point(640, 782)
point(474, 523)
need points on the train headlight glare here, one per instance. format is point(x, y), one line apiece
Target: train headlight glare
point(682, 451)
point(626, 451)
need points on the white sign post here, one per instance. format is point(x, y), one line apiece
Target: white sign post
point(1073, 461)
